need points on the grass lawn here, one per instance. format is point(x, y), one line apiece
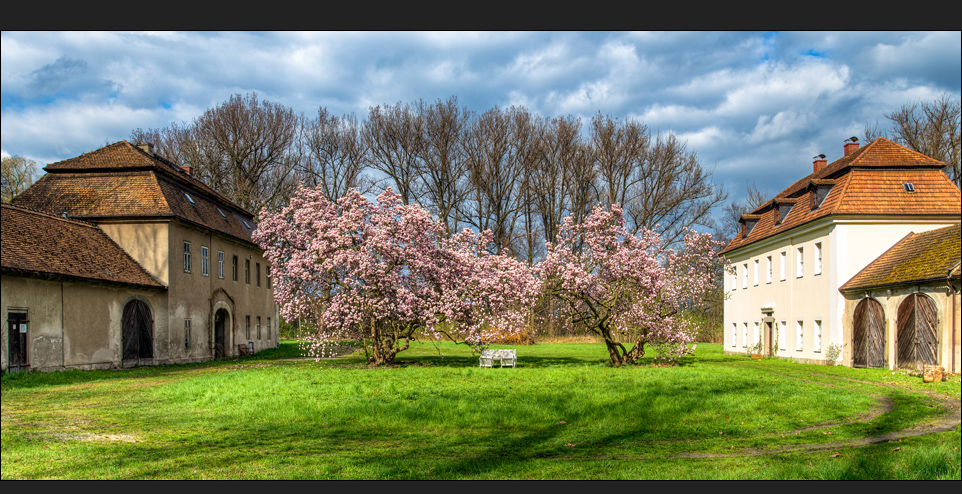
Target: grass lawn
point(561, 414)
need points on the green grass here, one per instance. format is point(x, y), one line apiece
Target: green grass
point(562, 413)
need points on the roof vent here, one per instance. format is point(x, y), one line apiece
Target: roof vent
point(851, 145)
point(908, 187)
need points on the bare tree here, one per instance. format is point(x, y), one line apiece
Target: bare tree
point(256, 142)
point(16, 174)
point(394, 136)
point(619, 150)
point(675, 191)
point(730, 226)
point(443, 167)
point(929, 127)
point(333, 155)
point(495, 177)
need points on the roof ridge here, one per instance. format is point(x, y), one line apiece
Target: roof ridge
point(26, 209)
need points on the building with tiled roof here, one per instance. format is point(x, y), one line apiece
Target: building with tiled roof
point(796, 251)
point(186, 241)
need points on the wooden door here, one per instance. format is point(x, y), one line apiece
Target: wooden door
point(868, 335)
point(917, 341)
point(138, 331)
point(17, 333)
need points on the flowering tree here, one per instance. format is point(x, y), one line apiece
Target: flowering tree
point(384, 274)
point(629, 289)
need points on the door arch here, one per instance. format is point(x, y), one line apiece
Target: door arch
point(868, 334)
point(917, 340)
point(138, 331)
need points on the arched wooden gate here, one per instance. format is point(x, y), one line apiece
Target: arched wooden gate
point(138, 332)
point(917, 340)
point(868, 334)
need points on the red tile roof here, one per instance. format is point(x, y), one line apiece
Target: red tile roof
point(124, 181)
point(41, 245)
point(866, 182)
point(917, 258)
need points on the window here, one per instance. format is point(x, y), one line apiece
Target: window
point(754, 334)
point(258, 327)
point(222, 215)
point(268, 326)
point(187, 334)
point(799, 262)
point(744, 334)
point(189, 199)
point(782, 265)
point(745, 275)
point(204, 263)
point(186, 257)
point(782, 332)
point(247, 329)
point(734, 334)
point(258, 269)
point(268, 272)
point(734, 278)
point(247, 271)
point(818, 258)
point(799, 335)
point(768, 269)
point(220, 264)
point(756, 273)
point(817, 336)
point(908, 187)
point(234, 268)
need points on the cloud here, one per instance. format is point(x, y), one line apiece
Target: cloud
point(51, 77)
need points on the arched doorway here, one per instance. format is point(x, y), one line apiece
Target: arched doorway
point(868, 334)
point(221, 318)
point(138, 332)
point(916, 340)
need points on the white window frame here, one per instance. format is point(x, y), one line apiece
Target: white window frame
point(782, 334)
point(204, 260)
point(783, 266)
point(799, 335)
point(186, 256)
point(734, 278)
point(744, 334)
point(818, 258)
point(734, 335)
point(755, 329)
point(768, 270)
point(756, 272)
point(745, 276)
point(799, 262)
point(220, 264)
point(817, 336)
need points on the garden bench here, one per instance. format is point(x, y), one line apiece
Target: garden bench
point(243, 349)
point(507, 358)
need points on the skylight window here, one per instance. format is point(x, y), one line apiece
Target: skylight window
point(908, 187)
point(247, 225)
point(189, 199)
point(222, 215)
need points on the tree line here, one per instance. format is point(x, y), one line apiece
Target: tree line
point(507, 170)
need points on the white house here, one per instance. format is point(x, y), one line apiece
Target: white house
point(796, 251)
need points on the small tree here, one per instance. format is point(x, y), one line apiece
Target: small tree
point(384, 274)
point(629, 289)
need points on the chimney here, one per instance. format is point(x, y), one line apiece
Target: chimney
point(188, 169)
point(851, 145)
point(819, 163)
point(147, 148)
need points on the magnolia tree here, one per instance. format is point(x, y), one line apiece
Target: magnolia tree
point(383, 273)
point(629, 289)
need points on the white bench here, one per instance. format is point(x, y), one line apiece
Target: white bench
point(507, 358)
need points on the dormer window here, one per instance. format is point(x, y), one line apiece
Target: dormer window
point(781, 210)
point(189, 199)
point(908, 187)
point(222, 215)
point(818, 190)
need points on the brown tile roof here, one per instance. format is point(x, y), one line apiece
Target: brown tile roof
point(866, 182)
point(124, 181)
point(38, 244)
point(918, 257)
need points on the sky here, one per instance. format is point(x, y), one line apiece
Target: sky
point(753, 106)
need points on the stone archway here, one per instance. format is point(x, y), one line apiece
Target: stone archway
point(137, 332)
point(917, 341)
point(868, 334)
